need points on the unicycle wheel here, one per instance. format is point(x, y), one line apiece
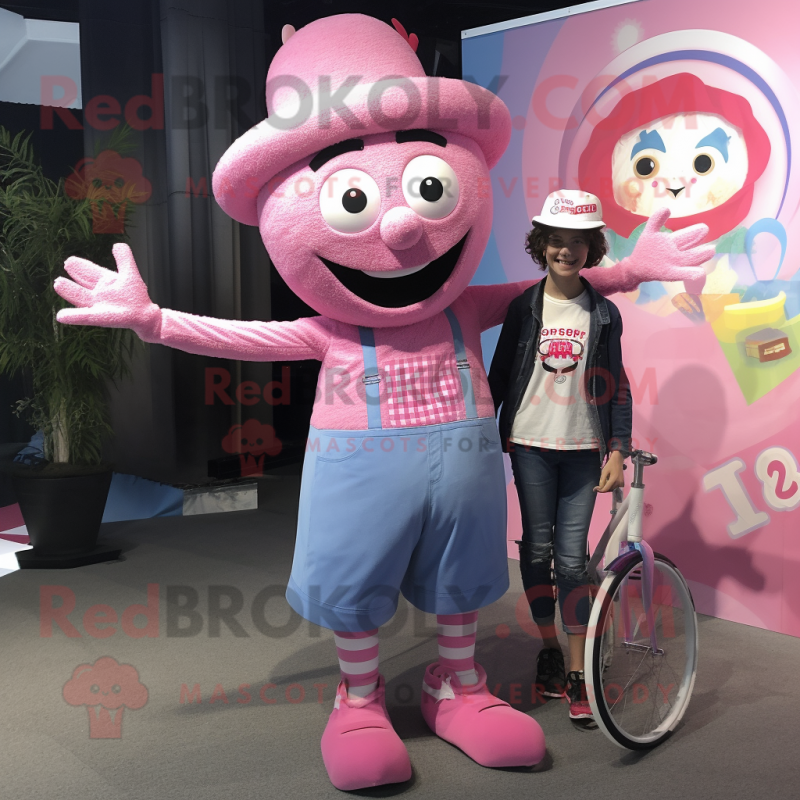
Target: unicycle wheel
point(638, 696)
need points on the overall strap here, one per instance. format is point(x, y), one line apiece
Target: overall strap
point(463, 365)
point(371, 379)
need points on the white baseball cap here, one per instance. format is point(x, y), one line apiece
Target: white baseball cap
point(571, 208)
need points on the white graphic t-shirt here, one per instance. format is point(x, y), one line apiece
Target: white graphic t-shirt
point(554, 413)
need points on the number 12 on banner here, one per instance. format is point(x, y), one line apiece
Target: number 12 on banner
point(776, 468)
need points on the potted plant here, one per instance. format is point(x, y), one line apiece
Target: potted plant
point(62, 496)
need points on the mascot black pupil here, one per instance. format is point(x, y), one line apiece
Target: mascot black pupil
point(354, 201)
point(703, 164)
point(431, 189)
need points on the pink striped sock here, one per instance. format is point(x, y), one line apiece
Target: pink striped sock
point(457, 644)
point(358, 661)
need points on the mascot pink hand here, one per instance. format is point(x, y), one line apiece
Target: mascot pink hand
point(108, 299)
point(664, 256)
point(657, 256)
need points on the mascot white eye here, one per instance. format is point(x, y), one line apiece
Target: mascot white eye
point(703, 164)
point(430, 187)
point(350, 201)
point(646, 167)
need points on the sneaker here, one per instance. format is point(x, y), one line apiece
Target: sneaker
point(551, 679)
point(579, 707)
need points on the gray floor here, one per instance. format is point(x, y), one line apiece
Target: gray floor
point(740, 738)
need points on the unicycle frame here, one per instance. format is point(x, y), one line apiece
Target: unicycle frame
point(621, 543)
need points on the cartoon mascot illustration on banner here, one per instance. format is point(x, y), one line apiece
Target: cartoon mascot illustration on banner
point(686, 146)
point(370, 184)
point(699, 123)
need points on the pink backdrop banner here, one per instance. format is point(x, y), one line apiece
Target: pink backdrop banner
point(715, 365)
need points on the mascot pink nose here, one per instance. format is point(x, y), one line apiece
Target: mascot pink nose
point(400, 228)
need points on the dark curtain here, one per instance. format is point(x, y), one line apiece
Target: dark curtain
point(213, 56)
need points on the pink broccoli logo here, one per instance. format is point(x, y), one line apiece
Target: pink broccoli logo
point(560, 348)
point(253, 442)
point(109, 182)
point(106, 688)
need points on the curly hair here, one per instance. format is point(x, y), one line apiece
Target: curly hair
point(536, 244)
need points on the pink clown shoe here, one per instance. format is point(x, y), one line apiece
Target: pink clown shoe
point(486, 728)
point(360, 747)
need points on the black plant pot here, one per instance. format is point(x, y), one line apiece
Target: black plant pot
point(63, 516)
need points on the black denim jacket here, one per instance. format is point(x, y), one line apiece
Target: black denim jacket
point(607, 392)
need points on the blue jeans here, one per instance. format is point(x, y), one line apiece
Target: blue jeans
point(556, 497)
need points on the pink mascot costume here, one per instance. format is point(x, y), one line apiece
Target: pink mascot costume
point(369, 183)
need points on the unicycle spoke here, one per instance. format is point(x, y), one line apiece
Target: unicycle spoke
point(623, 692)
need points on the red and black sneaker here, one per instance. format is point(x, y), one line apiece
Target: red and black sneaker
point(551, 680)
point(579, 707)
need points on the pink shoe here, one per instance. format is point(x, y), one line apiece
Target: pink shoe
point(486, 728)
point(360, 747)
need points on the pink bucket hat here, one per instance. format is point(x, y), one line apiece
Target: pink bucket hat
point(309, 105)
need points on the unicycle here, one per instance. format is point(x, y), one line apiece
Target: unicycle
point(641, 642)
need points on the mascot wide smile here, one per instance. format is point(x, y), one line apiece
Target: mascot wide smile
point(370, 185)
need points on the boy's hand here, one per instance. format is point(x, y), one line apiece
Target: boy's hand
point(612, 476)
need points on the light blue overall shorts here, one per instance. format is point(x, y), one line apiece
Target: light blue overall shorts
point(420, 510)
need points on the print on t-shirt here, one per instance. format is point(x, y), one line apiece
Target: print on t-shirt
point(560, 350)
point(554, 412)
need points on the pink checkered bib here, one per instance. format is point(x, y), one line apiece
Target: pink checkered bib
point(421, 390)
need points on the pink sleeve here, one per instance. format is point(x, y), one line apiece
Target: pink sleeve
point(244, 341)
point(608, 280)
point(492, 301)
